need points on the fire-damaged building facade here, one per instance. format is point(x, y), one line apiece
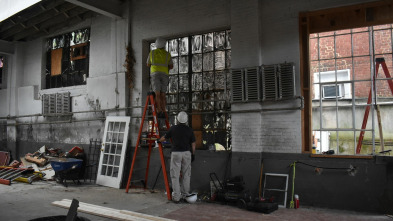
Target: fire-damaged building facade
point(267, 85)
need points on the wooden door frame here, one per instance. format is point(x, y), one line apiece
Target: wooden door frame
point(347, 17)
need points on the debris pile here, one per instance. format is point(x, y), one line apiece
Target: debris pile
point(46, 164)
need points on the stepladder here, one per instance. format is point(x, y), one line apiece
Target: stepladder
point(378, 62)
point(154, 135)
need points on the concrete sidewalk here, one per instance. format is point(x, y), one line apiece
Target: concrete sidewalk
point(21, 202)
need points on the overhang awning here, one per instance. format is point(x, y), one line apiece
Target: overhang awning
point(48, 16)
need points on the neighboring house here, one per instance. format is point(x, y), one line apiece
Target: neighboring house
point(342, 77)
point(75, 51)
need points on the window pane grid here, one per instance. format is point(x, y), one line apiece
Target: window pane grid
point(342, 64)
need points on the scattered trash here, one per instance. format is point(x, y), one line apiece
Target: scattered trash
point(9, 174)
point(15, 164)
point(37, 157)
point(4, 158)
point(46, 164)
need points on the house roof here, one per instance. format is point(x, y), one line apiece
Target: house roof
point(48, 16)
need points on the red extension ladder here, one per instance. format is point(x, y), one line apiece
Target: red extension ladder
point(155, 133)
point(378, 61)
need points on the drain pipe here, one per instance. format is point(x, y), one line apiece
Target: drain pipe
point(60, 115)
point(65, 114)
point(300, 107)
point(56, 122)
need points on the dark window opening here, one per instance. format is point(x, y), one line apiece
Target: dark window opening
point(67, 60)
point(199, 84)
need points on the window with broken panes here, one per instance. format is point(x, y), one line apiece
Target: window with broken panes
point(199, 84)
point(67, 60)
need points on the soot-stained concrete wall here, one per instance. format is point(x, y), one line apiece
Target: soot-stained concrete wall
point(106, 88)
point(206, 162)
point(263, 32)
point(369, 189)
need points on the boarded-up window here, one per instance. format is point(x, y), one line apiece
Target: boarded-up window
point(56, 56)
point(67, 60)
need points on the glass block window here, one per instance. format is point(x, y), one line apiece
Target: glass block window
point(67, 60)
point(199, 84)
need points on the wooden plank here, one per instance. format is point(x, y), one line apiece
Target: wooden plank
point(78, 52)
point(353, 16)
point(56, 56)
point(306, 113)
point(109, 212)
point(197, 122)
point(199, 139)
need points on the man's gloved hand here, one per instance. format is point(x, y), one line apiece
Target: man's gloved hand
point(192, 157)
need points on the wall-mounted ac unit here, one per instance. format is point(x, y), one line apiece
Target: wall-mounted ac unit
point(332, 91)
point(58, 104)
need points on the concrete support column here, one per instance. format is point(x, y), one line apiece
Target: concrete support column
point(14, 80)
point(245, 26)
point(11, 139)
point(246, 127)
point(246, 52)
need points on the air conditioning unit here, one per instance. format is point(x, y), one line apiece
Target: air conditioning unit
point(58, 104)
point(332, 91)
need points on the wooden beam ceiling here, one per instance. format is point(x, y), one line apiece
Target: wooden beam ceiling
point(362, 15)
point(42, 19)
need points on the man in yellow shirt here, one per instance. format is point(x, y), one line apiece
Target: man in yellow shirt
point(160, 62)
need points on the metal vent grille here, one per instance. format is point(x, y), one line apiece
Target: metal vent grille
point(253, 84)
point(56, 104)
point(269, 82)
point(286, 76)
point(264, 83)
point(237, 85)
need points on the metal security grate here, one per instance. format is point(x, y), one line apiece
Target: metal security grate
point(237, 85)
point(253, 84)
point(56, 104)
point(286, 79)
point(269, 83)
